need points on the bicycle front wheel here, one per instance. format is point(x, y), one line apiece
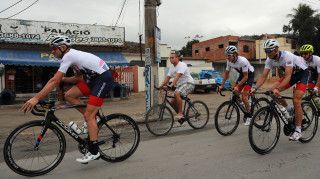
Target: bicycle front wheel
point(227, 118)
point(159, 120)
point(23, 158)
point(118, 138)
point(264, 131)
point(259, 103)
point(309, 122)
point(198, 114)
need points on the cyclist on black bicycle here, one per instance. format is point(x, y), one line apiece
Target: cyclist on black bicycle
point(313, 63)
point(296, 72)
point(93, 79)
point(183, 81)
point(245, 80)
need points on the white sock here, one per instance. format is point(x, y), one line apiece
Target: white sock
point(298, 128)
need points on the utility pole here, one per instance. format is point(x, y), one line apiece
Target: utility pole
point(151, 65)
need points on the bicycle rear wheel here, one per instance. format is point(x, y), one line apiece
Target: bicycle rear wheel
point(264, 131)
point(159, 120)
point(227, 118)
point(309, 122)
point(198, 114)
point(21, 156)
point(259, 103)
point(119, 139)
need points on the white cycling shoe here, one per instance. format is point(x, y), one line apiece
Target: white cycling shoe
point(295, 136)
point(88, 157)
point(247, 123)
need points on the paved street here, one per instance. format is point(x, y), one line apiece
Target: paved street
point(183, 153)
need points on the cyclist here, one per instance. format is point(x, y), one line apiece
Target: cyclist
point(93, 79)
point(296, 72)
point(182, 80)
point(313, 63)
point(245, 80)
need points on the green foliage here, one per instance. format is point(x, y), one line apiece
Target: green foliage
point(186, 51)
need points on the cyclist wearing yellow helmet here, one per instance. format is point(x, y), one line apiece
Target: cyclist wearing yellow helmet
point(313, 63)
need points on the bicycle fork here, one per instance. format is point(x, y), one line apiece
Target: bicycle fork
point(231, 110)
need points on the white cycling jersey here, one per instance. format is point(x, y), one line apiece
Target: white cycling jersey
point(84, 63)
point(314, 64)
point(240, 65)
point(287, 59)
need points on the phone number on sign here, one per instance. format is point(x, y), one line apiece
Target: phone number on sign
point(19, 36)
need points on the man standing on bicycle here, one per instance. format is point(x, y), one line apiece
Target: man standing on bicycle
point(245, 80)
point(296, 72)
point(93, 79)
point(313, 63)
point(182, 80)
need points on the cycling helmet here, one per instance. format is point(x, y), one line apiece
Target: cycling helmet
point(60, 40)
point(271, 43)
point(306, 48)
point(231, 49)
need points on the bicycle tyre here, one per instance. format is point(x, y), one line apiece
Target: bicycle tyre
point(220, 119)
point(259, 103)
point(264, 126)
point(19, 149)
point(124, 143)
point(308, 128)
point(200, 120)
point(156, 125)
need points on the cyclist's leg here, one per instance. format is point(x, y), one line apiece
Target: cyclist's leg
point(182, 90)
point(276, 85)
point(247, 86)
point(72, 95)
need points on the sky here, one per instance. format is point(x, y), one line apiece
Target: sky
point(177, 19)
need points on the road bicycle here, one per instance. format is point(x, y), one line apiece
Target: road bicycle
point(264, 129)
point(159, 118)
point(37, 147)
point(227, 117)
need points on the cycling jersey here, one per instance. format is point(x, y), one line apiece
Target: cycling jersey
point(84, 63)
point(314, 68)
point(240, 65)
point(287, 59)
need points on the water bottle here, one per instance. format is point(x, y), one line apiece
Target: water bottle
point(75, 127)
point(85, 127)
point(285, 112)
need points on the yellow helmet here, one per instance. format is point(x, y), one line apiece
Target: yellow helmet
point(306, 48)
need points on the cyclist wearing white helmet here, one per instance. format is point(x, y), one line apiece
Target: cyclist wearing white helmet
point(296, 72)
point(245, 80)
point(93, 79)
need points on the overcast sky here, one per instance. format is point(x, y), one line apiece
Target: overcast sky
point(177, 19)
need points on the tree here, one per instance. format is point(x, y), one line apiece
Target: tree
point(186, 51)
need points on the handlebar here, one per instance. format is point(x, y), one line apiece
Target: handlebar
point(39, 112)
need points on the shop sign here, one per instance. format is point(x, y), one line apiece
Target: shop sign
point(43, 32)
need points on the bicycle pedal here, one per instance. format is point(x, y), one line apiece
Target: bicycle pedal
point(181, 121)
point(85, 163)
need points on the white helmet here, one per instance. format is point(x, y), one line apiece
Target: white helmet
point(231, 49)
point(60, 40)
point(271, 43)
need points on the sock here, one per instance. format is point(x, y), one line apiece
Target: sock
point(288, 108)
point(93, 147)
point(298, 129)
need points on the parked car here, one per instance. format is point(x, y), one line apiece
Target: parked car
point(212, 74)
point(205, 84)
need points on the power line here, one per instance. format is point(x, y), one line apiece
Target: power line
point(10, 6)
point(24, 9)
point(124, 2)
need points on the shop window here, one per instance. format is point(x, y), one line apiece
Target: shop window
point(221, 46)
point(163, 63)
point(245, 48)
point(293, 44)
point(196, 51)
point(208, 49)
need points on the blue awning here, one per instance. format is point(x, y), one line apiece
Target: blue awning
point(46, 58)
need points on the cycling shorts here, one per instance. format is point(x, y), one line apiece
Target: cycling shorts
point(300, 78)
point(312, 78)
point(96, 88)
point(248, 84)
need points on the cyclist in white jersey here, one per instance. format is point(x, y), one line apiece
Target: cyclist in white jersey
point(245, 80)
point(313, 63)
point(93, 79)
point(296, 72)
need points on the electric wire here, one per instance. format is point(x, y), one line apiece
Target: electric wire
point(24, 9)
point(10, 6)
point(124, 2)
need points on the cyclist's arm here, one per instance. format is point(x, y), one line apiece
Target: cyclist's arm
point(225, 77)
point(75, 79)
point(263, 77)
point(175, 80)
point(318, 81)
point(287, 78)
point(165, 81)
point(244, 79)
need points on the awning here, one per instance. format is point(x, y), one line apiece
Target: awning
point(46, 58)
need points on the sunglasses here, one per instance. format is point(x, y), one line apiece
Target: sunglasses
point(269, 50)
point(229, 55)
point(54, 48)
point(304, 53)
